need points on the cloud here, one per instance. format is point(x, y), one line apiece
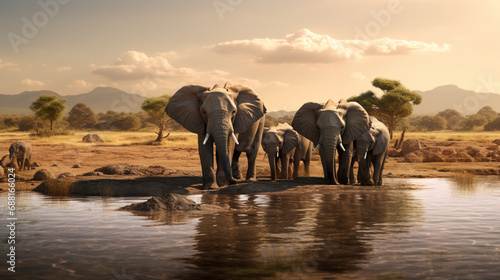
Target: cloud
point(30, 82)
point(80, 84)
point(358, 76)
point(9, 66)
point(305, 46)
point(64, 69)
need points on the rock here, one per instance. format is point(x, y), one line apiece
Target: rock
point(92, 138)
point(432, 157)
point(94, 173)
point(409, 146)
point(54, 165)
point(35, 164)
point(413, 157)
point(127, 169)
point(65, 175)
point(483, 159)
point(171, 202)
point(43, 174)
point(434, 150)
point(462, 157)
point(496, 141)
point(393, 153)
point(472, 151)
point(77, 166)
point(448, 152)
point(492, 147)
point(4, 162)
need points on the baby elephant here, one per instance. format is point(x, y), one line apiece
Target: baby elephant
point(371, 148)
point(21, 150)
point(285, 145)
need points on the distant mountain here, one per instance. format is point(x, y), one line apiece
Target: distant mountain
point(466, 102)
point(100, 99)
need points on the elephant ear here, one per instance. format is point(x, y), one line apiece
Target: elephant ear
point(304, 121)
point(184, 107)
point(290, 140)
point(250, 107)
point(357, 121)
point(382, 141)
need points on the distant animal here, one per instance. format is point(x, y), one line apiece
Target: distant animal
point(21, 150)
point(285, 145)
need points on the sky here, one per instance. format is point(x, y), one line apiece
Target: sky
point(289, 51)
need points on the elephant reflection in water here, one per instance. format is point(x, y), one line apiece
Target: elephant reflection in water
point(217, 114)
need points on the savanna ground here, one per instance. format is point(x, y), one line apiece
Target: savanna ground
point(179, 154)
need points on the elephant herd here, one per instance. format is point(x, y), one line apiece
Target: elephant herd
point(232, 118)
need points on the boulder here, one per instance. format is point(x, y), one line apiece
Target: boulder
point(92, 138)
point(462, 157)
point(43, 174)
point(413, 157)
point(4, 162)
point(496, 141)
point(393, 153)
point(128, 169)
point(492, 147)
point(432, 157)
point(410, 146)
point(35, 164)
point(171, 202)
point(448, 152)
point(473, 151)
point(94, 173)
point(77, 166)
point(65, 175)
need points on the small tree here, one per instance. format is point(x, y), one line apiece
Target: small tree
point(488, 113)
point(395, 105)
point(493, 125)
point(155, 106)
point(81, 116)
point(453, 118)
point(49, 108)
point(432, 123)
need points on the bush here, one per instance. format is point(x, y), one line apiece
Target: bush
point(27, 123)
point(493, 125)
point(46, 132)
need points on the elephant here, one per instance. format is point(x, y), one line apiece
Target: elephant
point(217, 114)
point(282, 143)
point(371, 148)
point(332, 127)
point(21, 150)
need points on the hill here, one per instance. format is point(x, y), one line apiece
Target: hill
point(466, 102)
point(100, 99)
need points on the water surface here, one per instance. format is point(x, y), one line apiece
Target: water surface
point(439, 231)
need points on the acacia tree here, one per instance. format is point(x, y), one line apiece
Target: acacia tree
point(82, 116)
point(394, 105)
point(48, 107)
point(155, 106)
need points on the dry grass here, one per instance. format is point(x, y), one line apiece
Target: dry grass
point(113, 138)
point(452, 135)
point(59, 187)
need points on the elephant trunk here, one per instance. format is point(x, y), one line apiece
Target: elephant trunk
point(328, 151)
point(220, 132)
point(364, 169)
point(272, 165)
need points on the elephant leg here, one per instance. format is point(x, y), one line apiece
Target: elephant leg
point(235, 165)
point(296, 166)
point(252, 158)
point(285, 163)
point(206, 153)
point(378, 166)
point(352, 179)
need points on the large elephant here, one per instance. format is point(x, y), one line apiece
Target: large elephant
point(21, 151)
point(371, 148)
point(331, 127)
point(285, 145)
point(216, 114)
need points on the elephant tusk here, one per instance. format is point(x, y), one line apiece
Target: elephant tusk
point(206, 139)
point(365, 154)
point(277, 154)
point(234, 137)
point(342, 146)
point(315, 148)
